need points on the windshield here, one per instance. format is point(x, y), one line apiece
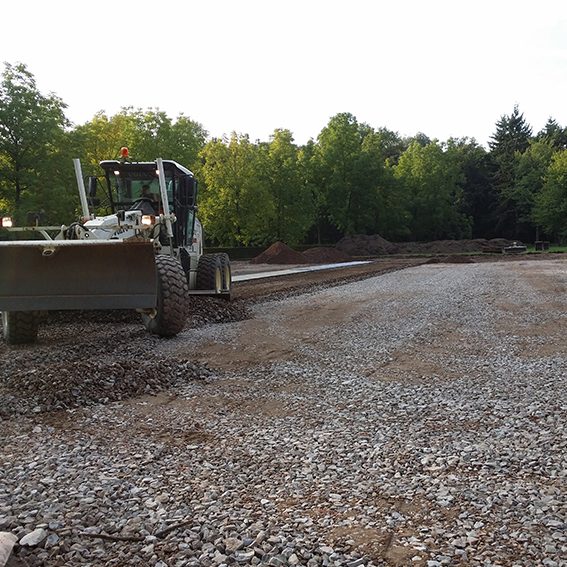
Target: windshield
point(138, 190)
point(135, 186)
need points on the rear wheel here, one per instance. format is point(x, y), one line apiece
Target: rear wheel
point(172, 299)
point(20, 327)
point(226, 275)
point(210, 273)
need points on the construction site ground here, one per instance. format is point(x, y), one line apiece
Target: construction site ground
point(402, 412)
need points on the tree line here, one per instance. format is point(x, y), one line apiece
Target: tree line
point(353, 179)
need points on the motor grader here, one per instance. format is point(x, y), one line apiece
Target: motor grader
point(138, 245)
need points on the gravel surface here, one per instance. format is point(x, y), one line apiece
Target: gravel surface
point(85, 358)
point(417, 418)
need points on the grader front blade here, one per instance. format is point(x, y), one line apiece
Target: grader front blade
point(48, 275)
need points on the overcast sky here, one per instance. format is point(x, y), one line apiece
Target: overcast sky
point(447, 68)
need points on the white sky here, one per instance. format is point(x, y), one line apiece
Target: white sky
point(442, 67)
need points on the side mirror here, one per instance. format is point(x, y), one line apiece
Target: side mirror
point(187, 190)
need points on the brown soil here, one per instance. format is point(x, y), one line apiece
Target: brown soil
point(326, 255)
point(451, 260)
point(373, 245)
point(366, 245)
point(301, 283)
point(280, 253)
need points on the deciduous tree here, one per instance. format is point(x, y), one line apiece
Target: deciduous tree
point(32, 133)
point(550, 209)
point(293, 207)
point(432, 180)
point(235, 204)
point(349, 174)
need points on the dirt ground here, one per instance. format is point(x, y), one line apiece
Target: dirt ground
point(257, 344)
point(258, 427)
point(298, 283)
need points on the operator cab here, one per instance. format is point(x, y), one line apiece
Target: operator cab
point(135, 186)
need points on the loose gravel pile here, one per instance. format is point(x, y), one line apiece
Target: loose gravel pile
point(416, 418)
point(86, 358)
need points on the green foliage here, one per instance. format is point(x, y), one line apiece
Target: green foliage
point(531, 168)
point(32, 133)
point(479, 198)
point(352, 179)
point(512, 135)
point(148, 134)
point(553, 134)
point(235, 203)
point(431, 180)
point(512, 138)
point(349, 173)
point(102, 137)
point(391, 144)
point(155, 135)
point(293, 207)
point(311, 173)
point(551, 203)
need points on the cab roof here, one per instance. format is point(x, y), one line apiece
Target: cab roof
point(170, 167)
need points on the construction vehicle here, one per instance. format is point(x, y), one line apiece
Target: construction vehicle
point(143, 251)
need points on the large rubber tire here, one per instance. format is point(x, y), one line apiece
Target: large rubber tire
point(209, 273)
point(172, 299)
point(20, 327)
point(226, 275)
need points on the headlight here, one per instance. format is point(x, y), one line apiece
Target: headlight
point(148, 220)
point(7, 222)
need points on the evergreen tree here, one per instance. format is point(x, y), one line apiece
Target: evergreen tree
point(553, 134)
point(512, 135)
point(511, 139)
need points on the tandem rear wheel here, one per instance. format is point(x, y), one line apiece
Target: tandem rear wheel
point(213, 273)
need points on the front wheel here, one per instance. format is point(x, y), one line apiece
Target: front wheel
point(20, 327)
point(172, 299)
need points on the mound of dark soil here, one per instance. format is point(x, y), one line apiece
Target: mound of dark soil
point(375, 245)
point(326, 255)
point(280, 253)
point(365, 245)
point(440, 247)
